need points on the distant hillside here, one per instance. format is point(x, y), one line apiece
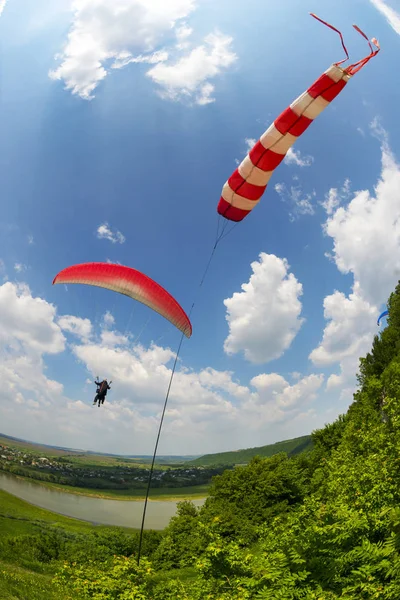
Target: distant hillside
point(9, 440)
point(49, 450)
point(237, 457)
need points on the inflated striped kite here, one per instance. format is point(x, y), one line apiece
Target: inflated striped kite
point(132, 283)
point(243, 190)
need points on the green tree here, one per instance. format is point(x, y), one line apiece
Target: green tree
point(181, 542)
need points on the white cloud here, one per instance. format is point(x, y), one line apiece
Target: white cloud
point(104, 31)
point(30, 240)
point(265, 317)
point(273, 388)
point(204, 407)
point(79, 327)
point(19, 267)
point(108, 319)
point(113, 262)
point(2, 5)
point(366, 234)
point(105, 232)
point(293, 157)
point(182, 34)
point(206, 411)
point(27, 322)
point(366, 243)
point(189, 76)
point(335, 197)
point(301, 203)
point(347, 336)
point(250, 142)
point(112, 339)
point(390, 14)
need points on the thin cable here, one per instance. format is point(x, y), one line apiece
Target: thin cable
point(167, 396)
point(219, 236)
point(155, 448)
point(129, 320)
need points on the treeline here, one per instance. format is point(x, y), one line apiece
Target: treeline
point(112, 478)
point(322, 525)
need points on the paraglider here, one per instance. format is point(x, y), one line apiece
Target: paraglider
point(245, 187)
point(384, 314)
point(132, 283)
point(101, 391)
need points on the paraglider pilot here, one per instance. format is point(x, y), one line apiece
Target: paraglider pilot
point(101, 392)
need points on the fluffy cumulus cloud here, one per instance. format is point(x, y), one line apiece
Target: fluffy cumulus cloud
point(111, 35)
point(105, 33)
point(274, 392)
point(203, 406)
point(391, 15)
point(189, 76)
point(299, 203)
point(366, 244)
point(366, 234)
point(207, 407)
point(28, 331)
point(79, 327)
point(347, 336)
point(264, 317)
point(104, 232)
point(293, 157)
point(27, 323)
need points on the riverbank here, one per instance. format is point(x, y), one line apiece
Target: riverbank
point(195, 492)
point(19, 517)
point(95, 510)
point(27, 573)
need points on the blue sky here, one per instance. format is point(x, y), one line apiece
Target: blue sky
point(127, 164)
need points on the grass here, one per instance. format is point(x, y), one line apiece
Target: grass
point(34, 581)
point(25, 578)
point(18, 583)
point(18, 517)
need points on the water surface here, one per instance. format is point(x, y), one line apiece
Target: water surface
point(123, 513)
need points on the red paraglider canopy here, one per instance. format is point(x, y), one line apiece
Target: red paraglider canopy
point(132, 283)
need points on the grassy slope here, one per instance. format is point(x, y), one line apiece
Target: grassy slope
point(291, 447)
point(19, 518)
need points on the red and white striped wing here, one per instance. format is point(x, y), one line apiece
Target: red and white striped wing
point(243, 190)
point(132, 283)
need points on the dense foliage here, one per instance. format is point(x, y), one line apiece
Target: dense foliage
point(323, 525)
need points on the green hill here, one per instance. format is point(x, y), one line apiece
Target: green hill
point(237, 457)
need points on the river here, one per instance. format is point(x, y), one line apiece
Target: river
point(123, 513)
